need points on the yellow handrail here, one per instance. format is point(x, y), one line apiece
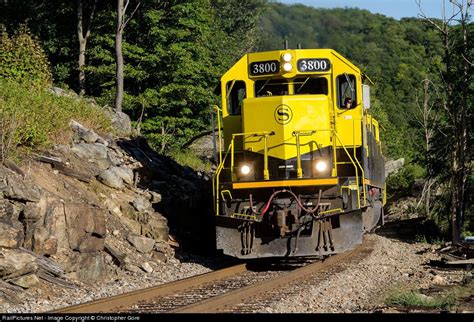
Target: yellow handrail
point(265, 135)
point(266, 176)
point(216, 176)
point(297, 134)
point(219, 131)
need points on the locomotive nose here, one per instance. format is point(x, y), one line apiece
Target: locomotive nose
point(285, 116)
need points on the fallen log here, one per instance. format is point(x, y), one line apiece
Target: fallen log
point(46, 264)
point(61, 167)
point(9, 292)
point(55, 280)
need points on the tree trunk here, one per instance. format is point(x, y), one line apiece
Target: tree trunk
point(119, 57)
point(82, 64)
point(82, 37)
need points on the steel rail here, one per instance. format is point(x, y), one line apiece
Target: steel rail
point(233, 297)
point(111, 304)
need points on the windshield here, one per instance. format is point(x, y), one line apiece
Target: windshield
point(313, 85)
point(271, 87)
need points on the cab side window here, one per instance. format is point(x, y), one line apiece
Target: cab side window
point(346, 91)
point(236, 93)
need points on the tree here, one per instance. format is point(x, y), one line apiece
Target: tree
point(121, 24)
point(428, 119)
point(455, 32)
point(83, 33)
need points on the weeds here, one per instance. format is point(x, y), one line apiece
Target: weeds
point(412, 298)
point(32, 118)
point(190, 159)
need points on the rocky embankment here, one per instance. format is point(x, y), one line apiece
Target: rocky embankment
point(90, 211)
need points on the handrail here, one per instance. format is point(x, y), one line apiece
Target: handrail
point(220, 131)
point(265, 135)
point(216, 176)
point(355, 164)
point(297, 135)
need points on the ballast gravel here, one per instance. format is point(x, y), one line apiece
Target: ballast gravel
point(361, 287)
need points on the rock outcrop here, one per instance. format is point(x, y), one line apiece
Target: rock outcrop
point(79, 212)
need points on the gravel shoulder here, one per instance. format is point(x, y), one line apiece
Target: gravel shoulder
point(361, 287)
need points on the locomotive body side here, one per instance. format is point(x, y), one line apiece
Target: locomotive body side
point(301, 169)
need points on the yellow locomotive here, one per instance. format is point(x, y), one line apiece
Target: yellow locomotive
point(300, 171)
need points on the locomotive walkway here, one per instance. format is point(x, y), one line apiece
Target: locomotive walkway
point(240, 288)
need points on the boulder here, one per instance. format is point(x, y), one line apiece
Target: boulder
point(14, 264)
point(86, 267)
point(22, 190)
point(26, 281)
point(123, 172)
point(155, 197)
point(84, 134)
point(86, 217)
point(111, 178)
point(85, 227)
point(142, 244)
point(393, 166)
point(156, 228)
point(141, 204)
point(120, 121)
point(114, 157)
point(94, 151)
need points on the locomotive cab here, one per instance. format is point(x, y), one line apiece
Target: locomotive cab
point(294, 177)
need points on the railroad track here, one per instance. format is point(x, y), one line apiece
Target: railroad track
point(234, 289)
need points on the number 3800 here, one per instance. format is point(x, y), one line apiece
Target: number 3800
point(313, 65)
point(264, 67)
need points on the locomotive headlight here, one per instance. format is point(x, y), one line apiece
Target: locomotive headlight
point(245, 169)
point(321, 166)
point(287, 67)
point(287, 57)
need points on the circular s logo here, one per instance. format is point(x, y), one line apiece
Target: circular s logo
point(283, 114)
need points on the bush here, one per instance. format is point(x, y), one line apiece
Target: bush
point(22, 59)
point(34, 118)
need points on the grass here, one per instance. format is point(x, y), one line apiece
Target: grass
point(190, 159)
point(447, 299)
point(415, 299)
point(32, 118)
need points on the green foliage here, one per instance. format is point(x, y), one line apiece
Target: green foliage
point(22, 59)
point(404, 179)
point(54, 23)
point(174, 52)
point(396, 55)
point(412, 298)
point(34, 118)
point(190, 159)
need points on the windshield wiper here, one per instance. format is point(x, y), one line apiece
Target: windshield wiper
point(301, 87)
point(263, 86)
